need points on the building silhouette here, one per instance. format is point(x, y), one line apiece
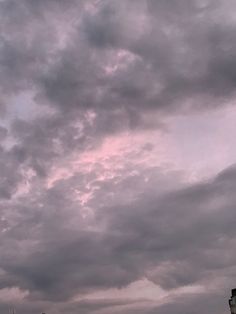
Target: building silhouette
point(232, 301)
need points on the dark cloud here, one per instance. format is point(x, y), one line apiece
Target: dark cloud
point(182, 238)
point(179, 52)
point(164, 66)
point(176, 56)
point(96, 69)
point(3, 133)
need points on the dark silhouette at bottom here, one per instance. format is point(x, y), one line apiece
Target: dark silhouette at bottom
point(232, 301)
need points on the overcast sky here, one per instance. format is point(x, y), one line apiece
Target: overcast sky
point(117, 152)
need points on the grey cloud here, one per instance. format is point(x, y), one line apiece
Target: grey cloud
point(181, 230)
point(182, 50)
point(167, 66)
point(121, 63)
point(3, 133)
point(181, 57)
point(182, 62)
point(210, 301)
point(195, 303)
point(10, 176)
point(186, 228)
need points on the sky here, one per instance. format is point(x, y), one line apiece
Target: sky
point(117, 156)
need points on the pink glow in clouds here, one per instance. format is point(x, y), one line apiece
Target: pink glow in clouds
point(117, 156)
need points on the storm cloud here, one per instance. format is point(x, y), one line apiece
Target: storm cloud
point(117, 156)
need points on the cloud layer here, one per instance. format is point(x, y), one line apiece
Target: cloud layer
point(117, 188)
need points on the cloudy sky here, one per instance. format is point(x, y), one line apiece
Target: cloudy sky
point(117, 152)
